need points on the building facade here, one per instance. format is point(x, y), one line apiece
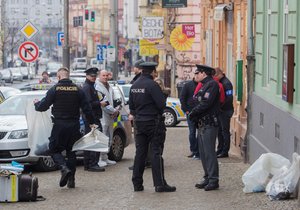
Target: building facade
point(45, 15)
point(276, 97)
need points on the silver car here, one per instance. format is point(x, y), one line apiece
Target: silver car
point(17, 74)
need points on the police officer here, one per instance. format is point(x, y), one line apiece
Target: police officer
point(226, 112)
point(91, 158)
point(146, 104)
point(137, 70)
point(67, 99)
point(205, 115)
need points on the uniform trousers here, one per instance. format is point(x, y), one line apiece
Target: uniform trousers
point(149, 132)
point(207, 135)
point(224, 131)
point(63, 136)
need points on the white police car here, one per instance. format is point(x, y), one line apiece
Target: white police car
point(14, 142)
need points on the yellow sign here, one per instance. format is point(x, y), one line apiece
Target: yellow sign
point(179, 40)
point(147, 48)
point(29, 30)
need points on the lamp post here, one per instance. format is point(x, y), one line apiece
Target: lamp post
point(66, 47)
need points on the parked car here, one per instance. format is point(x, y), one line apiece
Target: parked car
point(9, 91)
point(95, 63)
point(17, 74)
point(52, 68)
point(7, 75)
point(173, 112)
point(80, 63)
point(1, 79)
point(25, 71)
point(14, 143)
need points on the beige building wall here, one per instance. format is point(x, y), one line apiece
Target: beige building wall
point(223, 43)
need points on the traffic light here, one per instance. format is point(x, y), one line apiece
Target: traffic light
point(86, 14)
point(93, 16)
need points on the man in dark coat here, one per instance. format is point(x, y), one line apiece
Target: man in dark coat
point(91, 158)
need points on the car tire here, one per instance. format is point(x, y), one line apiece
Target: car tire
point(117, 147)
point(170, 117)
point(46, 164)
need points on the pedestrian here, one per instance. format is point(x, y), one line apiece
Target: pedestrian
point(166, 91)
point(146, 104)
point(226, 112)
point(67, 100)
point(205, 115)
point(187, 104)
point(91, 158)
point(109, 113)
point(110, 76)
point(137, 70)
point(45, 78)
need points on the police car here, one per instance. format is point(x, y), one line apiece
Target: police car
point(173, 112)
point(14, 142)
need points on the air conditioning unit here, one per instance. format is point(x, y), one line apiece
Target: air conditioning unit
point(153, 1)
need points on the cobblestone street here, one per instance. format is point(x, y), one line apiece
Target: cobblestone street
point(113, 189)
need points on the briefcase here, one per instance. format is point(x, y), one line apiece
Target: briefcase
point(9, 188)
point(28, 187)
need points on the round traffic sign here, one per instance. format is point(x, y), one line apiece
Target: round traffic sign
point(28, 51)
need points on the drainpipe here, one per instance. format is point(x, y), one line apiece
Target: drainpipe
point(250, 79)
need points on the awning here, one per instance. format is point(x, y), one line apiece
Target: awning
point(220, 9)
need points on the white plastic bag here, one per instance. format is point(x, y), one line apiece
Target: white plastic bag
point(257, 176)
point(93, 141)
point(284, 184)
point(39, 130)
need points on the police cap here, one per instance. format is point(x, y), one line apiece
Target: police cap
point(138, 63)
point(91, 71)
point(148, 66)
point(203, 68)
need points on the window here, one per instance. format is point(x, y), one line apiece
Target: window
point(267, 75)
point(25, 12)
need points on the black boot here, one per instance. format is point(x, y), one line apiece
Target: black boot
point(71, 182)
point(202, 184)
point(65, 174)
point(165, 188)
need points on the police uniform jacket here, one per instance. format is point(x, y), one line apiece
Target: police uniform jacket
point(88, 88)
point(186, 97)
point(146, 99)
point(208, 97)
point(67, 99)
point(135, 78)
point(228, 89)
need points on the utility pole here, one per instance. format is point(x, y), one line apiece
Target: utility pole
point(66, 47)
point(3, 30)
point(114, 35)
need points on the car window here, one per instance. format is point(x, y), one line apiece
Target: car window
point(11, 92)
point(81, 60)
point(126, 90)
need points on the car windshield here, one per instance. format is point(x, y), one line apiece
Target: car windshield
point(10, 92)
point(126, 90)
point(81, 60)
point(16, 105)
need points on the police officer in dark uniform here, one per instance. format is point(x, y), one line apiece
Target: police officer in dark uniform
point(137, 70)
point(226, 112)
point(67, 99)
point(146, 103)
point(91, 158)
point(205, 115)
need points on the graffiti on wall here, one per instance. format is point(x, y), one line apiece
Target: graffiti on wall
point(185, 72)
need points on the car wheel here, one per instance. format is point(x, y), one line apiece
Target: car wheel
point(170, 118)
point(46, 164)
point(117, 147)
